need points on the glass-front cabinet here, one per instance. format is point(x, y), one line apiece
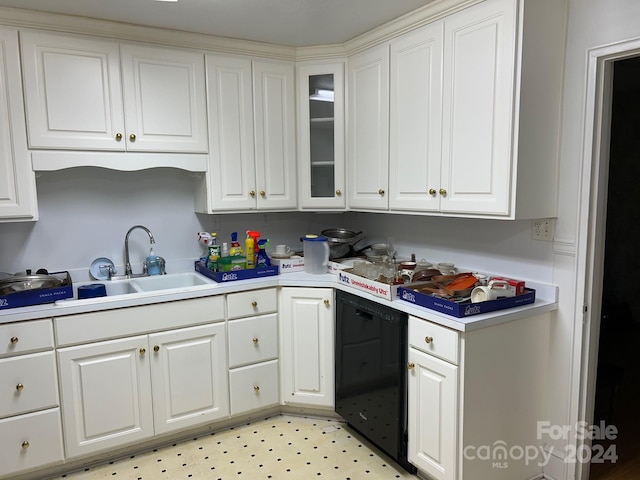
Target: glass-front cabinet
point(321, 136)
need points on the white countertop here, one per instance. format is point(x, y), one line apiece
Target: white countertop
point(546, 301)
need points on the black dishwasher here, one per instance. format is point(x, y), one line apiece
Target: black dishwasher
point(371, 373)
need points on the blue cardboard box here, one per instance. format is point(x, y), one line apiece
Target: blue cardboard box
point(234, 275)
point(38, 296)
point(464, 309)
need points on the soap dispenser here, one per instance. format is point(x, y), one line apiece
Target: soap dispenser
point(153, 263)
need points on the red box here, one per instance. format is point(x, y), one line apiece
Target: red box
point(516, 285)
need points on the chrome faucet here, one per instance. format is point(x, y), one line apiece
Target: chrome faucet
point(127, 269)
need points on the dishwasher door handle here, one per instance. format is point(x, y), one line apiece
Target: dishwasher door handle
point(363, 314)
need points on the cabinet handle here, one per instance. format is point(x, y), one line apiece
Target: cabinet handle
point(432, 191)
point(428, 339)
point(326, 302)
point(411, 366)
point(143, 351)
point(263, 193)
point(14, 340)
point(255, 340)
point(132, 137)
point(118, 137)
point(443, 192)
point(254, 304)
point(338, 192)
point(252, 193)
point(256, 388)
point(19, 387)
point(25, 444)
point(156, 348)
point(381, 192)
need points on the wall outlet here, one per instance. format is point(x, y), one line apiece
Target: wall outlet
point(543, 229)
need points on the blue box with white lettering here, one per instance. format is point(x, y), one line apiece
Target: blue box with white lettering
point(234, 275)
point(466, 308)
point(38, 296)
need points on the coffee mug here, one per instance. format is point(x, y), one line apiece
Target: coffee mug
point(282, 250)
point(447, 268)
point(494, 290)
point(407, 274)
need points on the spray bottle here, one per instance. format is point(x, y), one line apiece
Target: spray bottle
point(252, 238)
point(204, 238)
point(262, 257)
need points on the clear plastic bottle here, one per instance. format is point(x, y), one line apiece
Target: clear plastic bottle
point(224, 252)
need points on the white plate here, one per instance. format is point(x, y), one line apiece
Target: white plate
point(101, 273)
point(281, 255)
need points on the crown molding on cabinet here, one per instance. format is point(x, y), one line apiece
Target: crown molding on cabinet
point(138, 33)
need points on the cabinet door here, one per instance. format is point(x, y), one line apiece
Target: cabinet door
point(231, 179)
point(307, 346)
point(274, 120)
point(368, 145)
point(72, 91)
point(17, 180)
point(321, 136)
point(415, 119)
point(189, 377)
point(479, 66)
point(164, 99)
point(105, 394)
point(433, 415)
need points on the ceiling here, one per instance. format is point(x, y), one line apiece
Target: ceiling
point(284, 22)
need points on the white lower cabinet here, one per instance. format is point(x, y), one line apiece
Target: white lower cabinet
point(30, 425)
point(253, 350)
point(307, 351)
point(125, 390)
point(433, 399)
point(188, 377)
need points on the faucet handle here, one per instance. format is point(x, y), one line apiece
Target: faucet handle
point(163, 264)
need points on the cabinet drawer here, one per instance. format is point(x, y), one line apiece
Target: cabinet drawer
point(23, 337)
point(31, 440)
point(434, 339)
point(28, 382)
point(254, 387)
point(253, 340)
point(255, 302)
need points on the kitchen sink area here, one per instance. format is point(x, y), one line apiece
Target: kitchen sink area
point(117, 289)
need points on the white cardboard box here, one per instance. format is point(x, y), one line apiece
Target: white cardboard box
point(378, 289)
point(293, 264)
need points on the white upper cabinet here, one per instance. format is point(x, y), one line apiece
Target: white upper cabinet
point(86, 93)
point(275, 127)
point(479, 72)
point(17, 181)
point(474, 114)
point(252, 131)
point(321, 143)
point(415, 119)
point(368, 129)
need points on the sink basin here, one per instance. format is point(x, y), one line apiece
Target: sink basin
point(119, 287)
point(164, 282)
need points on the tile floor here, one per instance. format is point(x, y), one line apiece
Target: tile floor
point(278, 447)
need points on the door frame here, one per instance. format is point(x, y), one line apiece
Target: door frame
point(592, 227)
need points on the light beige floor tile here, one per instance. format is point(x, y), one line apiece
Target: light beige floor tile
point(279, 447)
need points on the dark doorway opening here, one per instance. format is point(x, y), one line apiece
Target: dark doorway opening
point(618, 374)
